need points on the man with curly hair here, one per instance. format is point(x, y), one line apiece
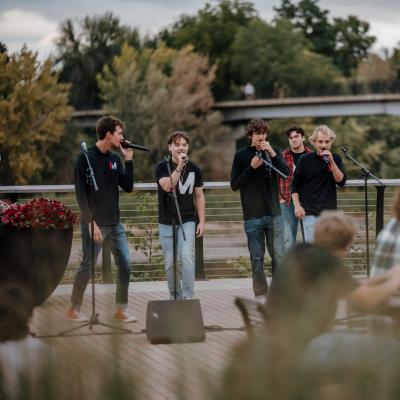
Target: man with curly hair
point(259, 195)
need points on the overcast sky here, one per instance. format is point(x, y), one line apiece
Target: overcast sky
point(36, 22)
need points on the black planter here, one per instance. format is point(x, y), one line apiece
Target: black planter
point(35, 257)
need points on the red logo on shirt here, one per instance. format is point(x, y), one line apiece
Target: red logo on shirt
point(112, 165)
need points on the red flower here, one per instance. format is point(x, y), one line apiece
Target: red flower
point(37, 213)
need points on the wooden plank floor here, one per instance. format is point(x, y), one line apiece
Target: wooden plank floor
point(185, 371)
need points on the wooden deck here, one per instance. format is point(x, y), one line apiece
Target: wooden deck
point(184, 371)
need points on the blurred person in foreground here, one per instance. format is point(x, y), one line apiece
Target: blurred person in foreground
point(297, 353)
point(386, 257)
point(25, 362)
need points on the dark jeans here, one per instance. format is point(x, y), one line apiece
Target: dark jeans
point(116, 236)
point(259, 230)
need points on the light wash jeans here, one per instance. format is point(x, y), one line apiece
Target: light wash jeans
point(309, 222)
point(119, 248)
point(185, 253)
point(290, 223)
point(259, 230)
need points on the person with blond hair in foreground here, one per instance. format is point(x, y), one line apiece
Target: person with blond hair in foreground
point(335, 231)
point(297, 354)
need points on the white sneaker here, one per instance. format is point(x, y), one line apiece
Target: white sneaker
point(77, 316)
point(121, 315)
point(262, 299)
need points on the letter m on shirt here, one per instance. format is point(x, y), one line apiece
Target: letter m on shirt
point(188, 185)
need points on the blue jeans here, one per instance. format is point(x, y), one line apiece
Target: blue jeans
point(119, 247)
point(185, 252)
point(309, 222)
point(259, 230)
point(290, 223)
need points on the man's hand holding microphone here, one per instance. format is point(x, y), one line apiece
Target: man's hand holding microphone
point(265, 146)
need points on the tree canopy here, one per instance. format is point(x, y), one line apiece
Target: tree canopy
point(82, 51)
point(161, 90)
point(33, 111)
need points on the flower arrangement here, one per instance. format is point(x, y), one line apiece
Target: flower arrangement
point(37, 213)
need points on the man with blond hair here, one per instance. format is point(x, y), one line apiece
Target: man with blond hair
point(315, 179)
point(335, 231)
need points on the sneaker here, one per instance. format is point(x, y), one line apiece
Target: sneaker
point(262, 299)
point(121, 315)
point(77, 316)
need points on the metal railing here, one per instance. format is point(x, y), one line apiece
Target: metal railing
point(223, 250)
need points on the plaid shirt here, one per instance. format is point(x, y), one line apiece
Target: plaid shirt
point(387, 248)
point(284, 184)
point(387, 255)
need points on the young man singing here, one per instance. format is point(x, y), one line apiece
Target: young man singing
point(259, 194)
point(102, 208)
point(187, 183)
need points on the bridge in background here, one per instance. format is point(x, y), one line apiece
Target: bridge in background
point(327, 106)
point(236, 112)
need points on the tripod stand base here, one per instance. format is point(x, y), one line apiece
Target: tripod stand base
point(93, 321)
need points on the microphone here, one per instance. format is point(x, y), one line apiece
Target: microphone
point(345, 149)
point(126, 144)
point(267, 156)
point(326, 159)
point(83, 146)
point(185, 158)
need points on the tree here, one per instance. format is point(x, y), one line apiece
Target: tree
point(212, 32)
point(346, 41)
point(352, 43)
point(158, 91)
point(375, 74)
point(312, 21)
point(3, 48)
point(33, 111)
point(279, 61)
point(84, 49)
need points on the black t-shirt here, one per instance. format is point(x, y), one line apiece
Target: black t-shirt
point(313, 180)
point(296, 156)
point(189, 179)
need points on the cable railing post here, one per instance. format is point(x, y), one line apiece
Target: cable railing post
point(106, 263)
point(199, 259)
point(380, 208)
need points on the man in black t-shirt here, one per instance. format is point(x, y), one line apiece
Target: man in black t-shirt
point(315, 179)
point(187, 183)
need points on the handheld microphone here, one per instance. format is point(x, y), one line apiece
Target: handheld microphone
point(326, 159)
point(83, 146)
point(267, 156)
point(345, 149)
point(126, 144)
point(185, 158)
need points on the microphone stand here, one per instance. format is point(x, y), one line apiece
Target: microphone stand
point(269, 167)
point(94, 318)
point(365, 174)
point(178, 213)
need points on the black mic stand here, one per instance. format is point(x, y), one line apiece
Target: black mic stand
point(94, 318)
point(365, 173)
point(269, 167)
point(178, 213)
